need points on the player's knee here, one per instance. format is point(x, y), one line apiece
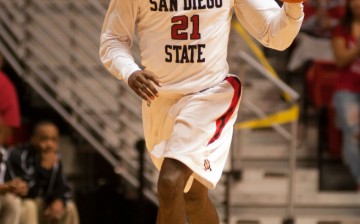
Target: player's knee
point(198, 195)
point(169, 185)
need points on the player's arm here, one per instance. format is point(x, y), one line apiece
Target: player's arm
point(115, 43)
point(117, 38)
point(271, 25)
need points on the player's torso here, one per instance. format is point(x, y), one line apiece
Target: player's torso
point(179, 34)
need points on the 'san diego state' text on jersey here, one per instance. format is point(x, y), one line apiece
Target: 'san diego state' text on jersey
point(185, 53)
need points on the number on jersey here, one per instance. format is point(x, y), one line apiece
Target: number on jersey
point(181, 24)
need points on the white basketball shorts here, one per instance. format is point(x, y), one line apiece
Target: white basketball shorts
point(195, 129)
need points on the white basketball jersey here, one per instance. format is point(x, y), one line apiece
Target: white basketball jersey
point(188, 42)
point(184, 42)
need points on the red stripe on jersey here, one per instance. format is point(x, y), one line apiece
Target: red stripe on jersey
point(223, 119)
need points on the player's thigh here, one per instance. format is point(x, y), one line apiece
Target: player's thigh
point(197, 193)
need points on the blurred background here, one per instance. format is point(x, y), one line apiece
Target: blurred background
point(286, 161)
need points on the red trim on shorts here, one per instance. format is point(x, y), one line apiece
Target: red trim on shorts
point(223, 119)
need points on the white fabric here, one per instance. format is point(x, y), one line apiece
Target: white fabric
point(2, 165)
point(181, 126)
point(273, 26)
point(310, 48)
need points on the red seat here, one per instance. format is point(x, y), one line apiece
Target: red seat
point(333, 134)
point(321, 79)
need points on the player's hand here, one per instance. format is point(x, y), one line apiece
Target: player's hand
point(293, 1)
point(141, 83)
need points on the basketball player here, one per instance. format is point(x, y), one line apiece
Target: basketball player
point(190, 102)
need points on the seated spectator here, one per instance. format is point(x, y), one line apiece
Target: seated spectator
point(38, 163)
point(9, 106)
point(313, 42)
point(346, 46)
point(9, 204)
point(321, 16)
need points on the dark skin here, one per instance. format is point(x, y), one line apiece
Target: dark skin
point(175, 206)
point(7, 133)
point(46, 141)
point(142, 83)
point(16, 186)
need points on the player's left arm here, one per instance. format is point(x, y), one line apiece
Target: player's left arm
point(275, 27)
point(115, 43)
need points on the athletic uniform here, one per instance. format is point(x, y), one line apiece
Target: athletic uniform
point(184, 43)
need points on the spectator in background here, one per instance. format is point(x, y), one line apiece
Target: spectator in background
point(313, 42)
point(9, 105)
point(10, 208)
point(346, 46)
point(321, 16)
point(38, 163)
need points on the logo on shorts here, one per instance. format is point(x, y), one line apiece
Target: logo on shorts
point(207, 165)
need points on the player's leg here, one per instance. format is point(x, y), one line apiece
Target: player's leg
point(172, 180)
point(199, 208)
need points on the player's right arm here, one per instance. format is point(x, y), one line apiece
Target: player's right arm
point(271, 25)
point(115, 42)
point(117, 38)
